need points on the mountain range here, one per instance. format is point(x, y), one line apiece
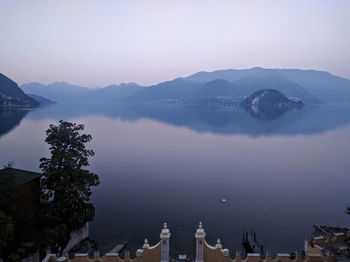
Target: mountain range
point(57, 91)
point(325, 87)
point(309, 86)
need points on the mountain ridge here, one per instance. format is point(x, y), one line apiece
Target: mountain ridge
point(311, 86)
point(328, 88)
point(41, 100)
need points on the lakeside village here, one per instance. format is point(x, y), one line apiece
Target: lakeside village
point(40, 220)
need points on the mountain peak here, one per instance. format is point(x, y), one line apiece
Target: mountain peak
point(128, 84)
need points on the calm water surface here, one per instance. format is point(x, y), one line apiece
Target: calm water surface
point(176, 164)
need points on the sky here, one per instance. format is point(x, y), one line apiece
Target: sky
point(98, 43)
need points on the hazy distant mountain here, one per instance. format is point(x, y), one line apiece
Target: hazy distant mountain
point(205, 87)
point(270, 79)
point(41, 100)
point(229, 75)
point(323, 85)
point(257, 80)
point(12, 96)
point(215, 88)
point(170, 91)
point(57, 91)
point(326, 87)
point(67, 93)
point(112, 93)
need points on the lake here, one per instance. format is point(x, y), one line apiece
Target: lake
point(175, 164)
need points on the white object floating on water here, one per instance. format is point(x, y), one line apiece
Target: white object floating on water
point(223, 200)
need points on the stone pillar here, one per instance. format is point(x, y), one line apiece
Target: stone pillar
point(200, 239)
point(238, 257)
point(268, 257)
point(164, 243)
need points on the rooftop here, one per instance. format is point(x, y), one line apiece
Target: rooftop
point(320, 231)
point(11, 178)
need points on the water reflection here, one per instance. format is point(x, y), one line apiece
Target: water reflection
point(152, 171)
point(233, 120)
point(9, 119)
point(266, 112)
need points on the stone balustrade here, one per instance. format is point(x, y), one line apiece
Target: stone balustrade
point(204, 253)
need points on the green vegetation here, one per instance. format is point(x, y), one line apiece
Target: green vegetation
point(7, 230)
point(66, 186)
point(64, 191)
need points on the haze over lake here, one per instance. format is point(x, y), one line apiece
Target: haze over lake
point(175, 164)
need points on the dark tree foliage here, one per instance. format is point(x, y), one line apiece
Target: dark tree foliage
point(54, 238)
point(6, 201)
point(7, 230)
point(348, 210)
point(66, 186)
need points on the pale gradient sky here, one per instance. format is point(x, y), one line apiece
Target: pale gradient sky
point(97, 43)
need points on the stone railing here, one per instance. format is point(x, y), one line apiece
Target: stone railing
point(204, 253)
point(208, 253)
point(156, 253)
point(217, 254)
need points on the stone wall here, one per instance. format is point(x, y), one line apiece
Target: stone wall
point(76, 237)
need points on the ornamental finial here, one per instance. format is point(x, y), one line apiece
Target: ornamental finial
point(200, 233)
point(145, 245)
point(165, 234)
point(218, 243)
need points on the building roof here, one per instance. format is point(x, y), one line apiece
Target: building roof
point(321, 231)
point(11, 178)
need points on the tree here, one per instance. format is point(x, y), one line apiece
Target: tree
point(348, 210)
point(66, 186)
point(9, 164)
